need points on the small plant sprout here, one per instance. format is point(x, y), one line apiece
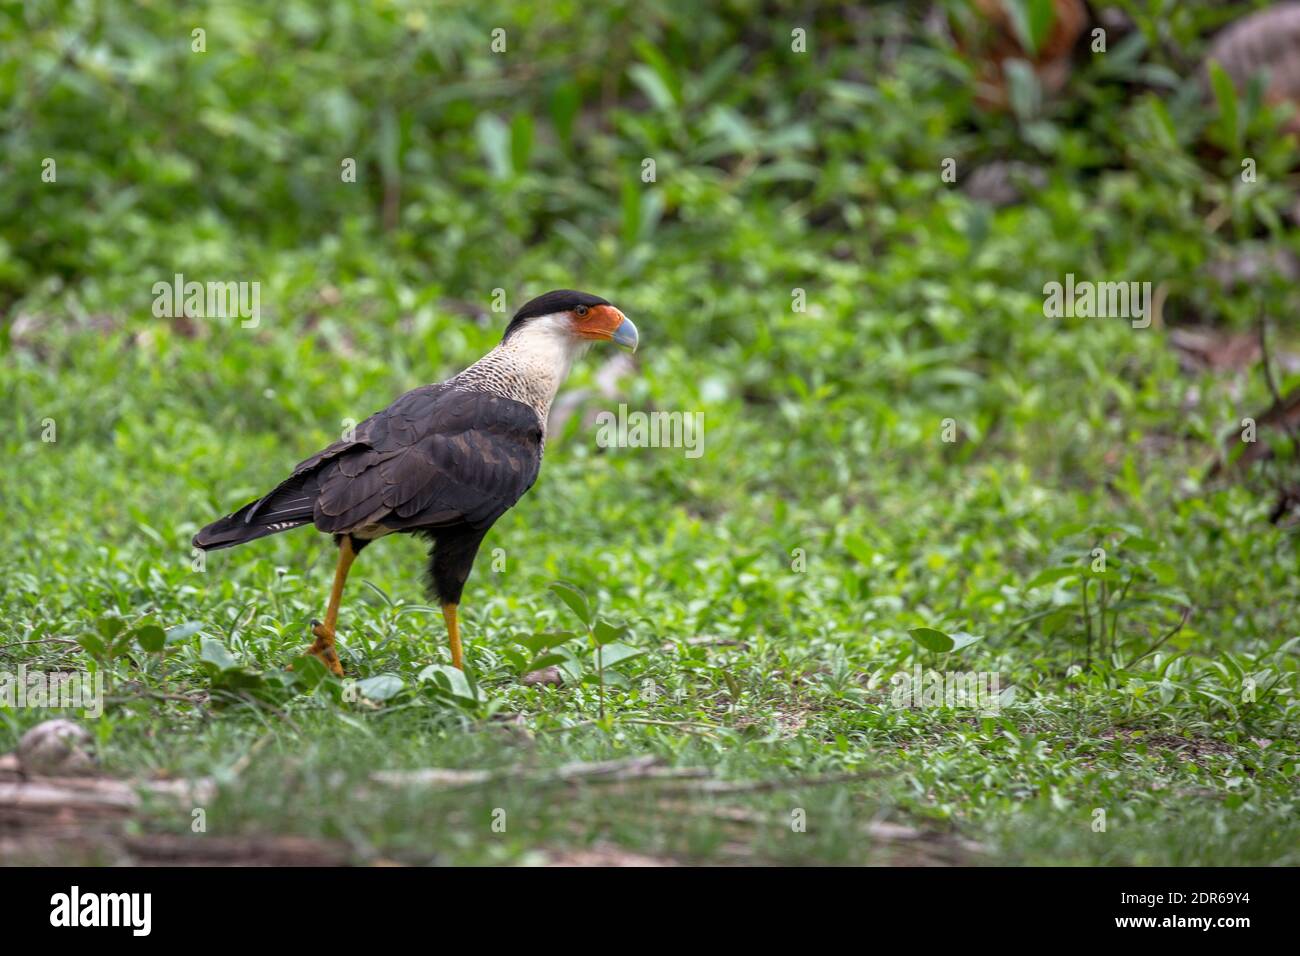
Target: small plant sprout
point(607, 642)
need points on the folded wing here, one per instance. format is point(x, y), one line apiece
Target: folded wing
point(438, 456)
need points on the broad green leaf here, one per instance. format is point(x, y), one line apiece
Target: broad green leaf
point(859, 549)
point(183, 632)
point(575, 599)
point(573, 666)
point(214, 652)
point(450, 679)
point(151, 637)
point(614, 654)
point(110, 627)
point(1163, 571)
point(932, 639)
point(604, 633)
point(543, 661)
point(93, 644)
point(381, 686)
point(547, 639)
point(615, 679)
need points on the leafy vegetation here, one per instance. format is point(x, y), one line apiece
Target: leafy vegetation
point(755, 603)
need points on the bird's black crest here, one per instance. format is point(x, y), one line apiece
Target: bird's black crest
point(560, 300)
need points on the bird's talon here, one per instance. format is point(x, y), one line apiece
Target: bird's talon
point(326, 654)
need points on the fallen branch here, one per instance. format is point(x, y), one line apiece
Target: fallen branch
point(96, 794)
point(717, 787)
point(607, 771)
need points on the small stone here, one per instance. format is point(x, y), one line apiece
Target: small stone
point(547, 675)
point(56, 748)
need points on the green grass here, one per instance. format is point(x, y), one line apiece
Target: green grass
point(771, 584)
point(793, 686)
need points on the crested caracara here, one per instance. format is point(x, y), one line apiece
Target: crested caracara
point(445, 461)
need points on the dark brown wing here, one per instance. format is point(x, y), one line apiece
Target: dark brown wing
point(437, 456)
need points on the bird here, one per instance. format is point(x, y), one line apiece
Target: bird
point(444, 461)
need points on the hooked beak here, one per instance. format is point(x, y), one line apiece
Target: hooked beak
point(608, 324)
point(625, 335)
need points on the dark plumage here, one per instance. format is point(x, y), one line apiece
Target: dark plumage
point(440, 459)
point(561, 300)
point(444, 460)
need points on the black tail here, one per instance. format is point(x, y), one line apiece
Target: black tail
point(290, 505)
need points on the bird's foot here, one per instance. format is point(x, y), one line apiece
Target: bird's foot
point(323, 648)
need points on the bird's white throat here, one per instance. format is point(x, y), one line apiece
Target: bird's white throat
point(531, 365)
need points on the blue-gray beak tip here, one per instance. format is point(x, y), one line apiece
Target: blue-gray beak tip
point(625, 335)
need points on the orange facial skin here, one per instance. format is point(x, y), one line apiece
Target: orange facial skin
point(600, 322)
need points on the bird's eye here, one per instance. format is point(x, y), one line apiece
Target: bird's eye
point(581, 311)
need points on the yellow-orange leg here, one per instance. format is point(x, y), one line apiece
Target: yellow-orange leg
point(323, 646)
point(453, 634)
